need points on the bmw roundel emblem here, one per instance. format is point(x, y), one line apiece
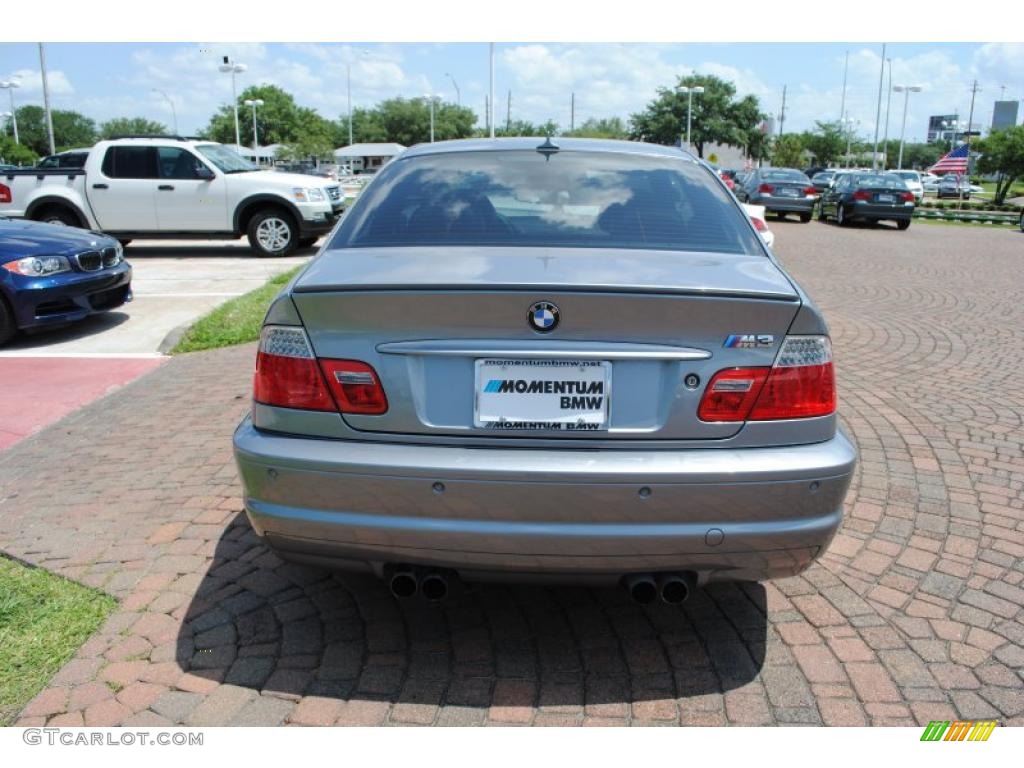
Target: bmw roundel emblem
point(543, 316)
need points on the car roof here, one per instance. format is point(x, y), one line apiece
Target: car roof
point(523, 143)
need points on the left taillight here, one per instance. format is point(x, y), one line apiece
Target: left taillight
point(5, 194)
point(908, 197)
point(759, 225)
point(287, 374)
point(800, 385)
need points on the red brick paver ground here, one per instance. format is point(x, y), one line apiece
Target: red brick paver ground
point(914, 614)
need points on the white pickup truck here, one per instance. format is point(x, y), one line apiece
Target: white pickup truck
point(172, 187)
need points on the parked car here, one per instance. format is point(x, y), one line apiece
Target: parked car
point(756, 214)
point(954, 186)
point(726, 179)
point(822, 180)
point(51, 276)
point(867, 196)
point(781, 191)
point(431, 398)
point(913, 181)
point(72, 158)
point(156, 187)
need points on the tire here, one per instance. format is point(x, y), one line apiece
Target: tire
point(841, 219)
point(903, 224)
point(54, 214)
point(1021, 222)
point(7, 326)
point(124, 243)
point(804, 218)
point(272, 232)
point(307, 242)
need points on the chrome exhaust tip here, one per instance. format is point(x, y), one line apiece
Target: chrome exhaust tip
point(403, 584)
point(434, 587)
point(676, 588)
point(642, 588)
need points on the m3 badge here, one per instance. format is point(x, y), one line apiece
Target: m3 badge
point(749, 341)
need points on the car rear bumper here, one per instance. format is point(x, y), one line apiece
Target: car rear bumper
point(69, 296)
point(555, 514)
point(868, 211)
point(785, 204)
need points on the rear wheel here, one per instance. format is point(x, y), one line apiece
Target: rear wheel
point(306, 242)
point(841, 219)
point(7, 326)
point(1021, 223)
point(805, 217)
point(903, 224)
point(56, 215)
point(272, 232)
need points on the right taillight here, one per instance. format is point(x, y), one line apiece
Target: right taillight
point(861, 194)
point(5, 193)
point(800, 384)
point(766, 189)
point(759, 225)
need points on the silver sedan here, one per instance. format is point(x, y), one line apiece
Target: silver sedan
point(528, 359)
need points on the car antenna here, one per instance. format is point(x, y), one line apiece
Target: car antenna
point(548, 148)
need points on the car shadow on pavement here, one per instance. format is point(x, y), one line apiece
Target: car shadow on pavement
point(202, 250)
point(88, 326)
point(294, 631)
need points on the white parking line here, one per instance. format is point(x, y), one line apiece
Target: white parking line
point(113, 355)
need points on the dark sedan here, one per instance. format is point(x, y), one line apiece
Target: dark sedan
point(823, 180)
point(952, 185)
point(780, 191)
point(868, 197)
point(52, 275)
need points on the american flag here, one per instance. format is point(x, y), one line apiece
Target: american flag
point(952, 162)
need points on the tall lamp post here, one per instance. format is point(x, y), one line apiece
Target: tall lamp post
point(174, 112)
point(458, 96)
point(906, 91)
point(234, 69)
point(689, 91)
point(254, 103)
point(430, 98)
point(849, 122)
point(348, 81)
point(10, 85)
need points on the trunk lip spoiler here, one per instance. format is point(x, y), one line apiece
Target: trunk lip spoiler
point(546, 349)
point(654, 290)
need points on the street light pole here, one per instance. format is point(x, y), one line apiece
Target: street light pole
point(430, 98)
point(174, 112)
point(234, 69)
point(905, 90)
point(888, 104)
point(255, 143)
point(689, 91)
point(46, 99)
point(458, 96)
point(10, 85)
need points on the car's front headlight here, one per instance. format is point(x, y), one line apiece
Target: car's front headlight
point(304, 195)
point(38, 266)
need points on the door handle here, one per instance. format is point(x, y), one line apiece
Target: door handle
point(166, 187)
point(100, 186)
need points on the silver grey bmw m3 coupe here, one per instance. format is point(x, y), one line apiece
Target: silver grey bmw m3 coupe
point(545, 359)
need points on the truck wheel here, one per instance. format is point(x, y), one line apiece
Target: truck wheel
point(57, 215)
point(7, 326)
point(272, 232)
point(307, 242)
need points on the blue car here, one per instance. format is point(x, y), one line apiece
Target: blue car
point(52, 275)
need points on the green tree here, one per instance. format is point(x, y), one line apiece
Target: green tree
point(717, 116)
point(278, 121)
point(1002, 152)
point(407, 121)
point(918, 155)
point(131, 126)
point(16, 154)
point(603, 128)
point(70, 129)
point(826, 142)
point(788, 151)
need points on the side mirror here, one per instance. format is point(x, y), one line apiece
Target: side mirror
point(204, 173)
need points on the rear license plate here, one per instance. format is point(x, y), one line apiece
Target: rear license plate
point(885, 198)
point(788, 192)
point(546, 395)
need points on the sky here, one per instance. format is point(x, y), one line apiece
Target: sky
point(106, 80)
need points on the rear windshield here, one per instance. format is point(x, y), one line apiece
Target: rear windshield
point(784, 174)
point(907, 175)
point(879, 180)
point(569, 199)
